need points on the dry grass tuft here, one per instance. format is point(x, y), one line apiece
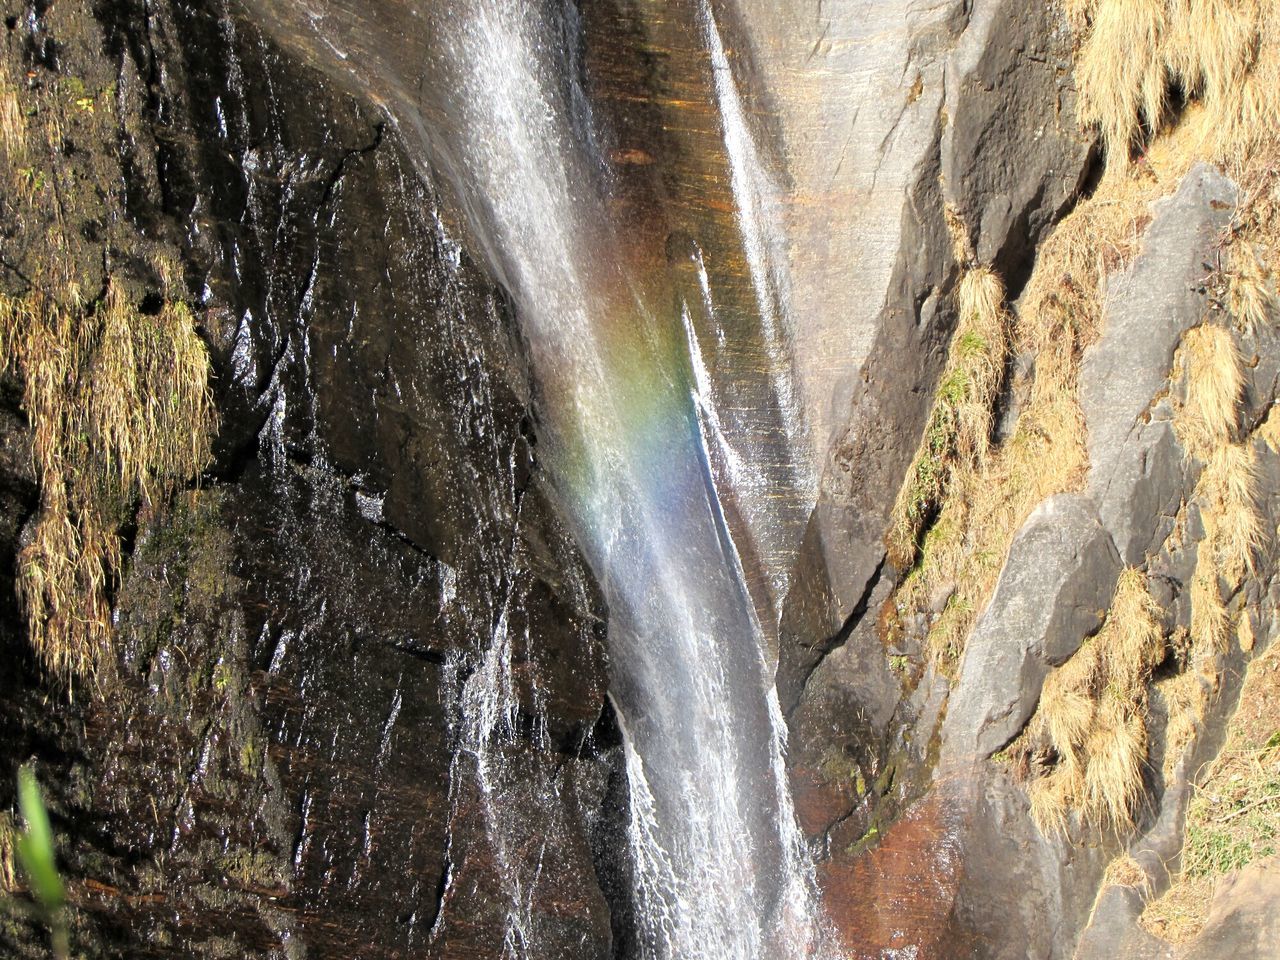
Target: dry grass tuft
point(1186, 696)
point(8, 850)
point(1121, 72)
point(1234, 817)
point(958, 433)
point(120, 408)
point(1069, 701)
point(1210, 367)
point(1253, 299)
point(1117, 754)
point(1222, 53)
point(1053, 796)
point(1134, 641)
point(1180, 913)
point(1233, 527)
point(1125, 871)
point(1210, 625)
point(1091, 715)
point(13, 125)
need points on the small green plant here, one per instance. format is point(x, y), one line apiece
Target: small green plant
point(958, 431)
point(35, 855)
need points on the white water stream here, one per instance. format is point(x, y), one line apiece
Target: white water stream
point(632, 434)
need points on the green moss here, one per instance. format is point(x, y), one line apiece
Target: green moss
point(252, 869)
point(222, 676)
point(972, 345)
point(72, 87)
point(839, 768)
point(864, 842)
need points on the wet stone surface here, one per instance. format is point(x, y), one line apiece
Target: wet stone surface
point(285, 761)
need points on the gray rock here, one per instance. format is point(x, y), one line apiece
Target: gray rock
point(1009, 165)
point(1007, 179)
point(1053, 593)
point(1026, 894)
point(1138, 477)
point(1244, 921)
point(1114, 931)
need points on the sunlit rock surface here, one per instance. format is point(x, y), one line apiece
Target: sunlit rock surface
point(372, 696)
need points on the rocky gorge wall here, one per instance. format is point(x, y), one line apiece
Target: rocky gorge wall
point(279, 760)
point(365, 638)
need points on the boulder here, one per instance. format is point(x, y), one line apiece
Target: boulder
point(1137, 477)
point(1052, 593)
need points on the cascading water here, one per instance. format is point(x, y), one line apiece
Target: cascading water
point(640, 459)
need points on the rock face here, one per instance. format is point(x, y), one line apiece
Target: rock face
point(1062, 564)
point(285, 758)
point(1137, 479)
point(362, 670)
point(1241, 922)
point(1020, 892)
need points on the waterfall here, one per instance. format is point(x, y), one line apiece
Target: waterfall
point(633, 441)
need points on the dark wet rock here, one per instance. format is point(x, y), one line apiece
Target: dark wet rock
point(1052, 593)
point(282, 762)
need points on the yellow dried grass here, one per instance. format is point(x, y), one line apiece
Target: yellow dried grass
point(1214, 381)
point(1226, 57)
point(1091, 712)
point(1233, 528)
point(119, 407)
point(1121, 72)
point(1117, 755)
point(1180, 912)
point(1125, 871)
point(1053, 796)
point(13, 125)
point(1210, 625)
point(957, 436)
point(1069, 701)
point(8, 851)
point(1223, 53)
point(1185, 699)
point(1252, 299)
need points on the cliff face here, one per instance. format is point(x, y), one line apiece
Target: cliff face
point(359, 676)
point(282, 753)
